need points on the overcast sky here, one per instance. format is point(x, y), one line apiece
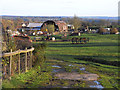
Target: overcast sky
point(59, 7)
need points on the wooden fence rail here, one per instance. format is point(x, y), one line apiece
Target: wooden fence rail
point(18, 52)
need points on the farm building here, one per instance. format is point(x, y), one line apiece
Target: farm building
point(31, 28)
point(60, 26)
point(70, 27)
point(57, 26)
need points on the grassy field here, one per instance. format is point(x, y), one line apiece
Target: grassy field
point(100, 47)
point(100, 55)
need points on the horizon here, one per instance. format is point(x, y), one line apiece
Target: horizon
point(56, 16)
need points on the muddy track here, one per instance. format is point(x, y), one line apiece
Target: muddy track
point(72, 75)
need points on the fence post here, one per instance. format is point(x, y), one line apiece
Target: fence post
point(31, 59)
point(19, 62)
point(10, 64)
point(26, 61)
point(4, 70)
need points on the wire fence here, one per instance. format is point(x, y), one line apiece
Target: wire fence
point(16, 62)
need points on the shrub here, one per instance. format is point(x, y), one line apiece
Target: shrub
point(39, 54)
point(4, 46)
point(11, 44)
point(23, 42)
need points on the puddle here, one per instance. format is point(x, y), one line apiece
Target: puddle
point(97, 82)
point(65, 87)
point(60, 73)
point(82, 69)
point(56, 66)
point(55, 70)
point(97, 86)
point(4, 73)
point(71, 65)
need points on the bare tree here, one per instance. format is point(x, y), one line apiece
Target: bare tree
point(76, 22)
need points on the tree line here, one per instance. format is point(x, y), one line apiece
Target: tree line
point(14, 23)
point(80, 23)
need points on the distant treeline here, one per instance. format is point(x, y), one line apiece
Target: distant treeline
point(15, 22)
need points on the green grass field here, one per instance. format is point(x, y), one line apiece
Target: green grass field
point(100, 55)
point(100, 47)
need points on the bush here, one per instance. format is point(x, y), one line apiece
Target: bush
point(39, 54)
point(113, 31)
point(23, 42)
point(4, 46)
point(11, 44)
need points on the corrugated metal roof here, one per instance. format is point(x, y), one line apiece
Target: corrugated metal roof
point(34, 24)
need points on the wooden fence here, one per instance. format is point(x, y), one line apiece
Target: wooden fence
point(11, 54)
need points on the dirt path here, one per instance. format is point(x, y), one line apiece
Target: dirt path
point(70, 75)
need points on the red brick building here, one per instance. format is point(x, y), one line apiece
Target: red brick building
point(60, 26)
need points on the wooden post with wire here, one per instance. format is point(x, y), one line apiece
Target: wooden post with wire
point(30, 59)
point(18, 52)
point(10, 65)
point(26, 61)
point(19, 62)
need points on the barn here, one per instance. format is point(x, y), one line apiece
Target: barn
point(60, 26)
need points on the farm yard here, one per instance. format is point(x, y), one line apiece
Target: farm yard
point(94, 64)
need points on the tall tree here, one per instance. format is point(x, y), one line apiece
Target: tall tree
point(18, 23)
point(76, 22)
point(8, 24)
